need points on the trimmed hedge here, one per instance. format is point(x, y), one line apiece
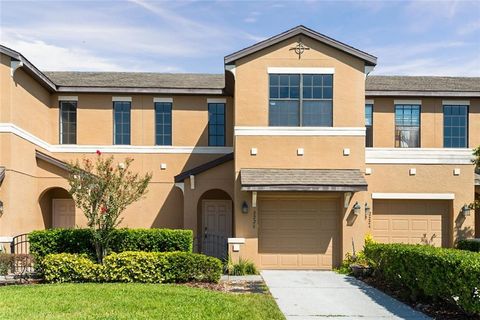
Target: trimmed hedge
point(436, 273)
point(133, 266)
point(469, 244)
point(79, 241)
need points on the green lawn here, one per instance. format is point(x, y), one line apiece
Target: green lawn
point(131, 301)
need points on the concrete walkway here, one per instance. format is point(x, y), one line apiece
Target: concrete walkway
point(326, 294)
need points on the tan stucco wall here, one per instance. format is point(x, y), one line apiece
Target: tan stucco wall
point(431, 121)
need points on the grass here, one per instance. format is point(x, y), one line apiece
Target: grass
point(131, 301)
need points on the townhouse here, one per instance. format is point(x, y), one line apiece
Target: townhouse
point(288, 159)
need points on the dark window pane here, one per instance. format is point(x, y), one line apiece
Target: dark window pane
point(216, 124)
point(455, 126)
point(295, 80)
point(284, 113)
point(274, 80)
point(328, 80)
point(273, 92)
point(317, 113)
point(327, 92)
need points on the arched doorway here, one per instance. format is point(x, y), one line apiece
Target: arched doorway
point(58, 208)
point(215, 219)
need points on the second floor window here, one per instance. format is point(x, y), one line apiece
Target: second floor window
point(163, 123)
point(216, 124)
point(455, 126)
point(121, 125)
point(407, 126)
point(68, 122)
point(301, 100)
point(369, 125)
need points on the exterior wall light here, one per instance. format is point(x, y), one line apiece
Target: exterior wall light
point(466, 210)
point(1, 208)
point(244, 207)
point(368, 210)
point(356, 209)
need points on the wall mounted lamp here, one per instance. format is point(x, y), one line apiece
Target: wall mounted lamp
point(368, 210)
point(466, 210)
point(356, 209)
point(245, 207)
point(1, 208)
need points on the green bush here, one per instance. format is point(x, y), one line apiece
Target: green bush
point(79, 241)
point(130, 266)
point(67, 267)
point(428, 272)
point(469, 244)
point(241, 268)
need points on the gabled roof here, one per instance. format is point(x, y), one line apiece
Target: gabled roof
point(302, 30)
point(422, 86)
point(204, 167)
point(29, 68)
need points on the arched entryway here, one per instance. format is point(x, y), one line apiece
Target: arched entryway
point(215, 223)
point(58, 208)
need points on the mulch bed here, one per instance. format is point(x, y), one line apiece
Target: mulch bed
point(235, 286)
point(436, 310)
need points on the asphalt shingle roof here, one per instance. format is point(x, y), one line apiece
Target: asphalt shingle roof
point(422, 83)
point(137, 79)
point(302, 178)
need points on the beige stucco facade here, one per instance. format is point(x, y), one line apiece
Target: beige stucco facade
point(188, 177)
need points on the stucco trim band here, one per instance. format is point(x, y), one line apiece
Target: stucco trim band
point(299, 131)
point(414, 196)
point(13, 129)
point(6, 239)
point(298, 70)
point(418, 156)
point(456, 102)
point(67, 98)
point(236, 240)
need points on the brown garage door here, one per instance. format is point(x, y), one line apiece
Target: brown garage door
point(411, 221)
point(297, 234)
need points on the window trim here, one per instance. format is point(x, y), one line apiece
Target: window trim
point(60, 122)
point(419, 121)
point(115, 125)
point(467, 125)
point(171, 124)
point(224, 123)
point(300, 97)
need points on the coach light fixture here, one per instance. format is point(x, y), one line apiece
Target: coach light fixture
point(368, 210)
point(356, 209)
point(1, 208)
point(466, 210)
point(244, 207)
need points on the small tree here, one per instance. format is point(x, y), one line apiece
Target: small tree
point(103, 190)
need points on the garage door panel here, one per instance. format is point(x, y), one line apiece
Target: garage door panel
point(296, 234)
point(410, 221)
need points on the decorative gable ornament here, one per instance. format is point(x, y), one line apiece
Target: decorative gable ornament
point(299, 48)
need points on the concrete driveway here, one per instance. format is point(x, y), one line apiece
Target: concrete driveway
point(326, 294)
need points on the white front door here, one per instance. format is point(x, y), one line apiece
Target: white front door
point(63, 211)
point(217, 227)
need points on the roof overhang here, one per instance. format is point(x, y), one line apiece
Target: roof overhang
point(54, 161)
point(30, 68)
point(332, 180)
point(203, 91)
point(391, 93)
point(302, 30)
point(203, 167)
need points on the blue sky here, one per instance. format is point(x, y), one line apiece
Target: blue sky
point(408, 37)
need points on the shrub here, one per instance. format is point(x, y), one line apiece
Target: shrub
point(469, 244)
point(435, 273)
point(80, 241)
point(147, 267)
point(67, 267)
point(6, 260)
point(241, 268)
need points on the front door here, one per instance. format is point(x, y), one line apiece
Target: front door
point(63, 211)
point(216, 227)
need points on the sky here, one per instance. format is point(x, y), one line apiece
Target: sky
point(408, 37)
